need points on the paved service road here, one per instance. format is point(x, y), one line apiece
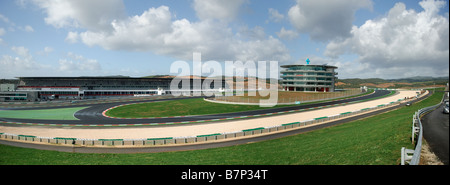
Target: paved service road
point(436, 133)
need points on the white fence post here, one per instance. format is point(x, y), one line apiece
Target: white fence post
point(406, 155)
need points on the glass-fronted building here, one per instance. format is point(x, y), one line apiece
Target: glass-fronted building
point(315, 78)
point(71, 88)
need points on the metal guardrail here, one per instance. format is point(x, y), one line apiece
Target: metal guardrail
point(409, 156)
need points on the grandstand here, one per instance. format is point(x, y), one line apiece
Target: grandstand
point(71, 88)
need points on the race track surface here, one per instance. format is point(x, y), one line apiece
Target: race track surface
point(436, 133)
point(197, 145)
point(93, 114)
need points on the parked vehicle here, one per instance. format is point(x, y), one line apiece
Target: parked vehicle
point(445, 107)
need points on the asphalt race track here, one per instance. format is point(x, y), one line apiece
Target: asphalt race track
point(93, 114)
point(197, 146)
point(435, 131)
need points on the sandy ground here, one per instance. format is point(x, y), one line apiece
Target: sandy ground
point(427, 157)
point(194, 130)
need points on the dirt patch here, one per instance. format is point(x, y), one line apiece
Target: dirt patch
point(289, 96)
point(383, 85)
point(386, 85)
point(340, 83)
point(427, 157)
point(404, 83)
point(368, 84)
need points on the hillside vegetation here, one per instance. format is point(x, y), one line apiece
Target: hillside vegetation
point(414, 82)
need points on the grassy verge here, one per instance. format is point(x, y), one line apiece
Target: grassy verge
point(375, 140)
point(184, 108)
point(49, 114)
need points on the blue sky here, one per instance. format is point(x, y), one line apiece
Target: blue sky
point(364, 38)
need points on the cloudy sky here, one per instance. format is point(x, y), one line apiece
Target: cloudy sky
point(364, 38)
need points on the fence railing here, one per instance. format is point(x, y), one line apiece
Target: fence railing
point(409, 156)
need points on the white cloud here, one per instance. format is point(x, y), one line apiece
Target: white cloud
point(154, 30)
point(275, 16)
point(251, 33)
point(72, 37)
point(21, 3)
point(140, 33)
point(28, 28)
point(403, 43)
point(287, 34)
point(12, 26)
point(325, 20)
point(4, 18)
point(2, 31)
point(73, 66)
point(75, 63)
point(9, 62)
point(217, 9)
point(22, 51)
point(21, 65)
point(47, 50)
point(158, 31)
point(270, 49)
point(93, 15)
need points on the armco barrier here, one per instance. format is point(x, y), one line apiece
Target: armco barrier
point(188, 139)
point(412, 157)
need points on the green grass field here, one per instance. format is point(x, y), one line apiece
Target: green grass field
point(372, 141)
point(49, 114)
point(182, 108)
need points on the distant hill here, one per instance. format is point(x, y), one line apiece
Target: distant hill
point(412, 82)
point(418, 81)
point(158, 76)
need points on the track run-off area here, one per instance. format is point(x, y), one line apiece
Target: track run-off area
point(195, 124)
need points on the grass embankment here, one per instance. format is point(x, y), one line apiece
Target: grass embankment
point(184, 108)
point(374, 140)
point(48, 114)
point(290, 96)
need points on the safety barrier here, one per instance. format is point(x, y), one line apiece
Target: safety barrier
point(190, 139)
point(409, 156)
